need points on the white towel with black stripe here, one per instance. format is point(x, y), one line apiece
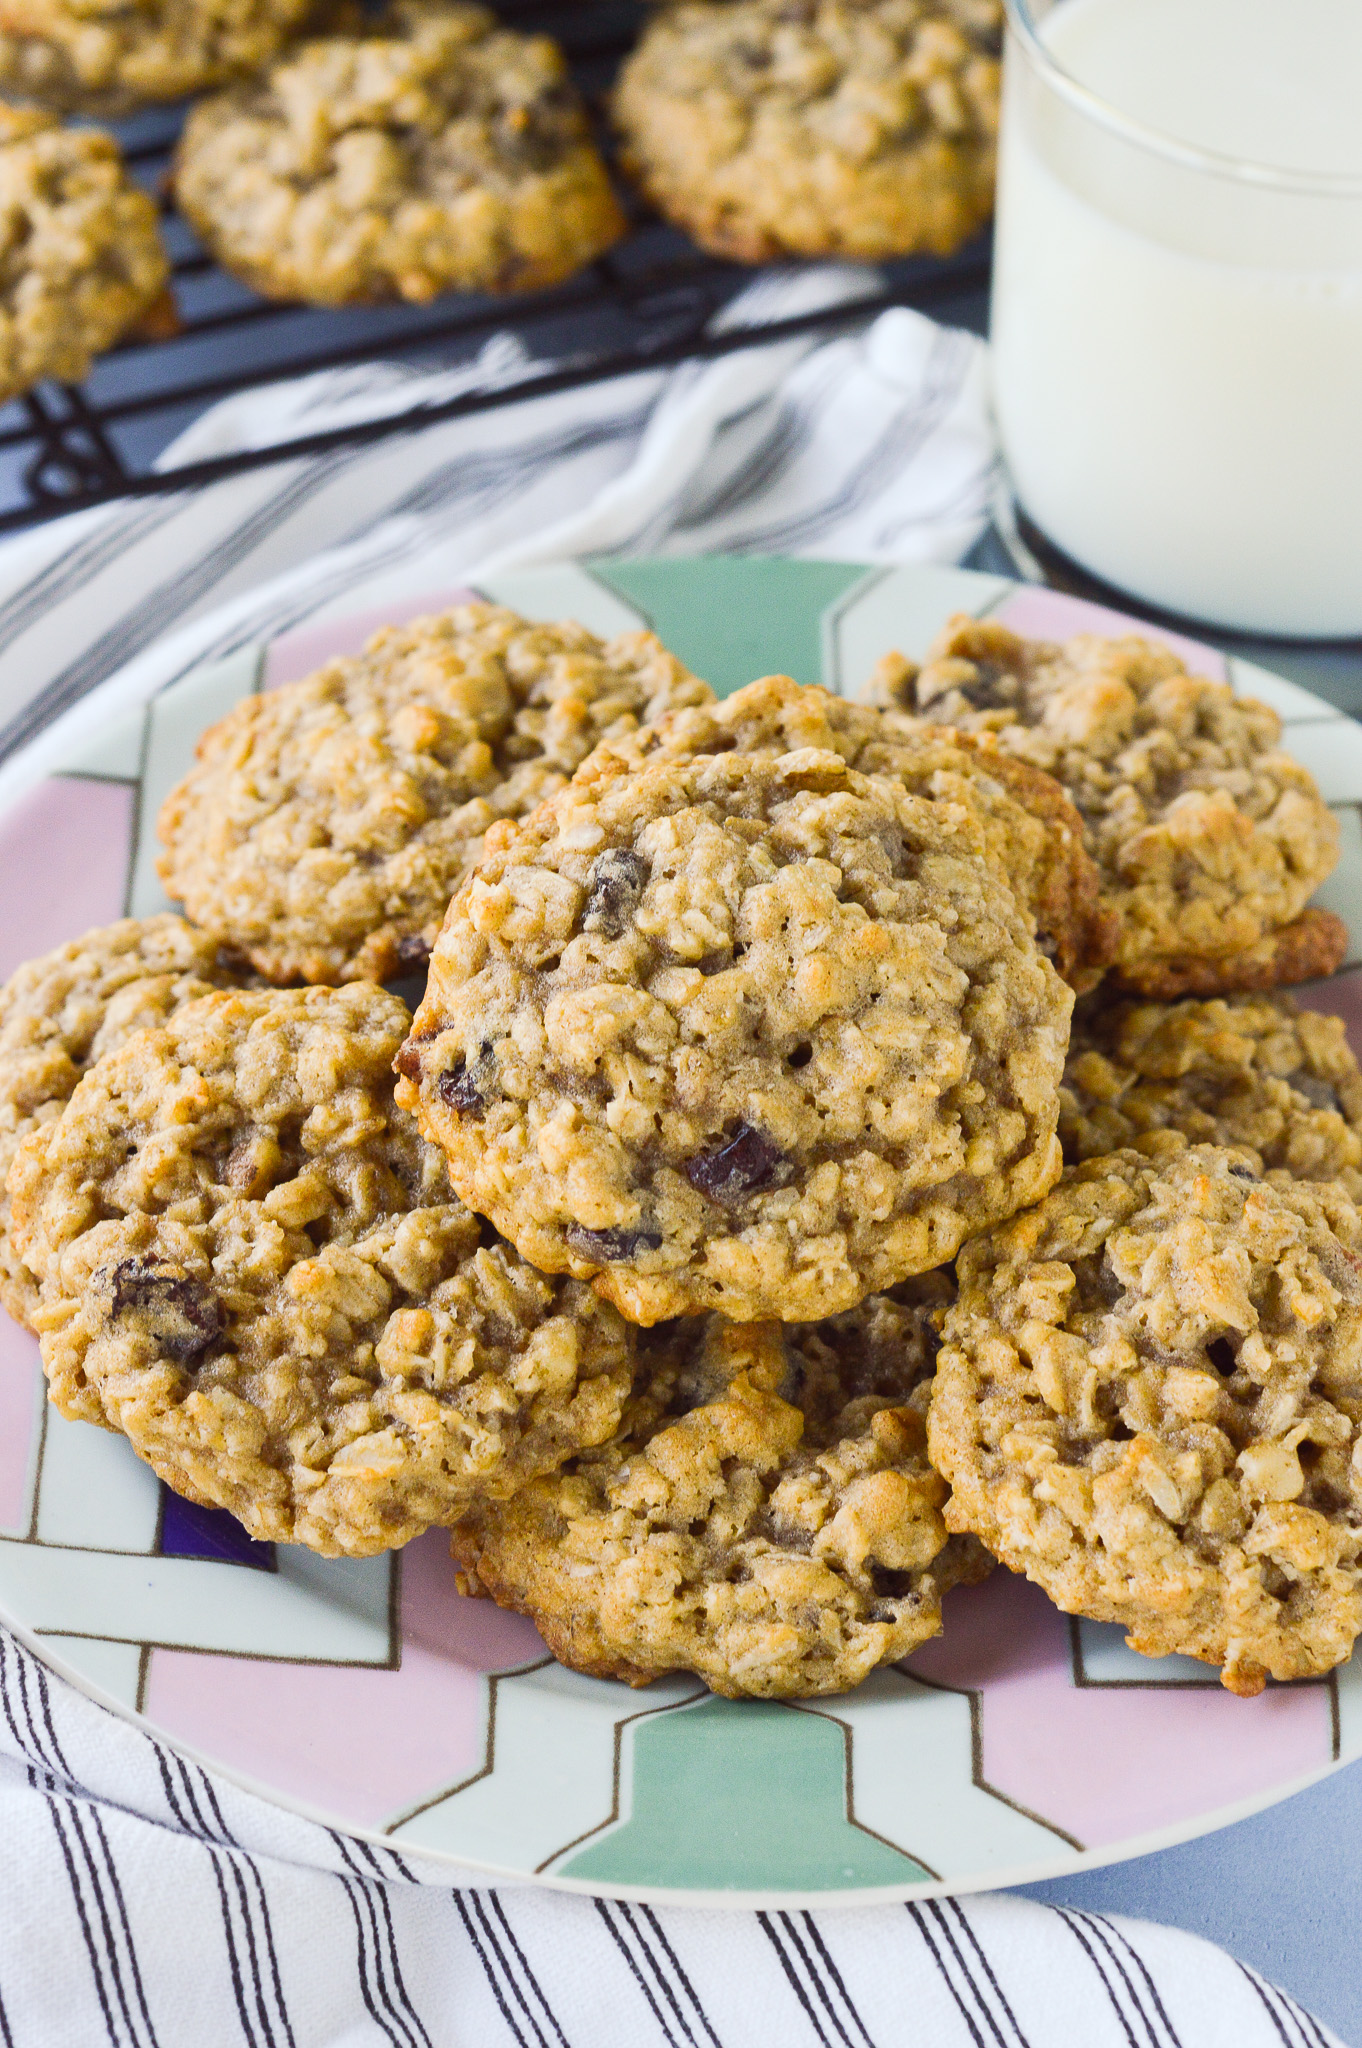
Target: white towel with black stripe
point(145, 1902)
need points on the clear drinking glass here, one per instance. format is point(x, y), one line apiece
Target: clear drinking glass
point(1177, 357)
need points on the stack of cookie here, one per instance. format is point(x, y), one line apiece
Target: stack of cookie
point(745, 1240)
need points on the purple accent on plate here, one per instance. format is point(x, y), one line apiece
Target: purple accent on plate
point(188, 1530)
point(64, 852)
point(1051, 615)
point(297, 654)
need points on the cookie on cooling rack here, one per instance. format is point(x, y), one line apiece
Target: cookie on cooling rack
point(1209, 839)
point(765, 1517)
point(750, 1033)
point(325, 825)
point(1254, 1071)
point(1149, 1400)
point(253, 1267)
point(1032, 832)
point(83, 260)
point(61, 1013)
point(94, 59)
point(861, 128)
point(438, 152)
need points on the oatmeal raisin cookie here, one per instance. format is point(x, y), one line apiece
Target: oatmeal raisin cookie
point(438, 152)
point(766, 1516)
point(1149, 1400)
point(751, 1033)
point(1208, 837)
point(861, 128)
point(325, 825)
point(83, 259)
point(253, 1267)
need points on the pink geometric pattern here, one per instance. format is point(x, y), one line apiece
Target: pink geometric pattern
point(1104, 1762)
point(360, 1742)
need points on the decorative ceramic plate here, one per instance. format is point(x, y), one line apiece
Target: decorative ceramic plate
point(1020, 1744)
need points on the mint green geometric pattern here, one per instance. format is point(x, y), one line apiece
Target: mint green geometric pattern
point(740, 1795)
point(733, 618)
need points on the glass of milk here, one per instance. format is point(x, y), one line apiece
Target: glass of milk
point(1177, 323)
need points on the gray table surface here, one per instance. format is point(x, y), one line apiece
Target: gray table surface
point(1282, 1891)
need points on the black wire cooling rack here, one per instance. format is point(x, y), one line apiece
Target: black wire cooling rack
point(648, 301)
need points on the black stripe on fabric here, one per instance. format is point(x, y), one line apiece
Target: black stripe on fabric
point(934, 1952)
point(816, 1937)
point(233, 1958)
point(1114, 1934)
point(967, 1928)
point(361, 1888)
point(134, 1968)
point(91, 1951)
point(380, 1898)
point(68, 574)
point(488, 1972)
point(478, 1905)
point(1070, 1920)
point(682, 1979)
point(524, 1962)
point(261, 1899)
point(622, 1945)
point(813, 1976)
point(6, 2035)
point(764, 1922)
point(1269, 1998)
point(362, 1967)
point(195, 1825)
point(660, 1976)
point(1102, 1932)
point(981, 1999)
point(1302, 2018)
point(159, 608)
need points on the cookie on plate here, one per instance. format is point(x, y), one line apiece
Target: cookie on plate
point(1208, 837)
point(1149, 1400)
point(439, 152)
point(1032, 832)
point(325, 825)
point(83, 256)
point(61, 1013)
point(253, 1267)
point(766, 1516)
point(862, 128)
point(1257, 1072)
point(751, 1033)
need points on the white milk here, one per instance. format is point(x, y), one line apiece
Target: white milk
point(1177, 353)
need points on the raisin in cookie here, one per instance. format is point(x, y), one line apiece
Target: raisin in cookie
point(326, 825)
point(83, 260)
point(438, 152)
point(766, 1517)
point(1209, 839)
point(1149, 1400)
point(252, 1265)
point(1032, 832)
point(752, 1033)
point(1256, 1072)
point(862, 128)
point(85, 57)
point(61, 1013)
